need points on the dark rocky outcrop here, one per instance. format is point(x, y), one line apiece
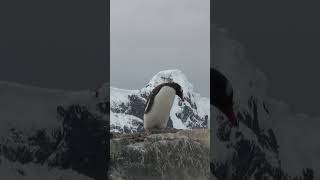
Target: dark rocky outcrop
point(79, 144)
point(253, 151)
point(84, 143)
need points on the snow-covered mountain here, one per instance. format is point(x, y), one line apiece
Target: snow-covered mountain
point(272, 142)
point(127, 106)
point(43, 130)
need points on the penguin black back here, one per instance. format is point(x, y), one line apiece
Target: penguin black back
point(156, 90)
point(222, 90)
point(222, 95)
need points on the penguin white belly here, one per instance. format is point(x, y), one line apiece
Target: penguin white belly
point(159, 114)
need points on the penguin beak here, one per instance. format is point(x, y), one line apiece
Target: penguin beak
point(181, 97)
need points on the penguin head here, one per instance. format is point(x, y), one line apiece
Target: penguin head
point(223, 95)
point(178, 89)
point(179, 93)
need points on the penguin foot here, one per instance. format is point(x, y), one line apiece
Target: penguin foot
point(161, 130)
point(150, 131)
point(169, 130)
point(153, 131)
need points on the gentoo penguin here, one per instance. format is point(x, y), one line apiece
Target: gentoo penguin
point(159, 104)
point(223, 95)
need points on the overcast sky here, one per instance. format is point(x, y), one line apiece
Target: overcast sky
point(148, 36)
point(54, 44)
point(282, 39)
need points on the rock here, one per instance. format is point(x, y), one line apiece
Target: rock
point(83, 146)
point(180, 154)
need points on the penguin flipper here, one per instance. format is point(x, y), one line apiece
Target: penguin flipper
point(149, 104)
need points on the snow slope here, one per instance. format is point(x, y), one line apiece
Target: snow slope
point(28, 108)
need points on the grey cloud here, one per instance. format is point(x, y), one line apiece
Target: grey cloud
point(150, 36)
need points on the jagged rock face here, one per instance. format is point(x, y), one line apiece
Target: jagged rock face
point(252, 151)
point(35, 148)
point(180, 155)
point(130, 104)
point(83, 146)
point(79, 142)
